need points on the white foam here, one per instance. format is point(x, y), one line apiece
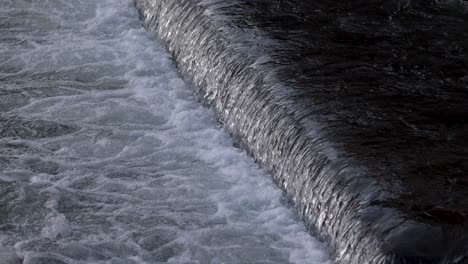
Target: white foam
point(149, 176)
point(56, 226)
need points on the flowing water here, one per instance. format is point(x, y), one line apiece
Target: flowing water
point(107, 157)
point(357, 108)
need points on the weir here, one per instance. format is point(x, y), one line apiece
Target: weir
point(358, 109)
point(107, 157)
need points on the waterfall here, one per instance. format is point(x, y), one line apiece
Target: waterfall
point(241, 70)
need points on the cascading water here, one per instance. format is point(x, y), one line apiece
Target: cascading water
point(348, 106)
point(106, 156)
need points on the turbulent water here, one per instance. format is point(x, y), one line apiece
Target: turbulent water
point(357, 108)
point(107, 157)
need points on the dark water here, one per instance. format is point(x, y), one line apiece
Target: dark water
point(358, 108)
point(107, 157)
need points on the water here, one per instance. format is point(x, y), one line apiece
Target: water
point(356, 107)
point(107, 157)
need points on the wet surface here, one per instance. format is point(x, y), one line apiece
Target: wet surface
point(389, 80)
point(359, 108)
point(106, 156)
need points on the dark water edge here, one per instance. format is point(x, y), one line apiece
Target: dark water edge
point(359, 109)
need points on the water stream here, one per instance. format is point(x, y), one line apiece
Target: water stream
point(106, 156)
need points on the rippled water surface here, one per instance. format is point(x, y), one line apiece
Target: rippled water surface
point(106, 156)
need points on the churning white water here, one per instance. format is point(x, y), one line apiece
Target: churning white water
point(107, 157)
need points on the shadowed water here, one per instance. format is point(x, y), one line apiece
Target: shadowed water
point(106, 156)
point(358, 108)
